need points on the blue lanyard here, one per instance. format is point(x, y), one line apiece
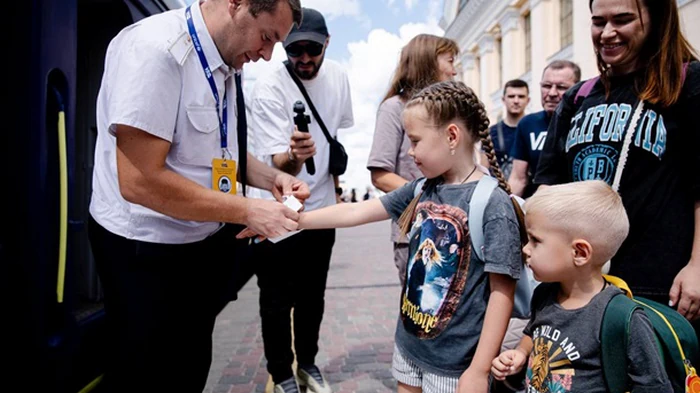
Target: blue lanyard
point(223, 125)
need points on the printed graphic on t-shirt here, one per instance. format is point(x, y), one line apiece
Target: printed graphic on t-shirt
point(550, 368)
point(437, 267)
point(597, 135)
point(537, 140)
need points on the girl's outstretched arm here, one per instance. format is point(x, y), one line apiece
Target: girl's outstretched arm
point(344, 215)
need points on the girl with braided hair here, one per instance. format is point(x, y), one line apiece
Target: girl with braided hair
point(425, 60)
point(445, 344)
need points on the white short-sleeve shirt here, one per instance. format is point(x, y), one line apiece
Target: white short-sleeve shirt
point(272, 122)
point(153, 80)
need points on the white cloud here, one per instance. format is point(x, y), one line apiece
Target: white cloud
point(254, 70)
point(410, 4)
point(335, 8)
point(370, 68)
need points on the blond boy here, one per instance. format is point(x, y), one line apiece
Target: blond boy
point(573, 229)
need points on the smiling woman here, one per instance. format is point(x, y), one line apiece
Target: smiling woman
point(635, 128)
point(629, 34)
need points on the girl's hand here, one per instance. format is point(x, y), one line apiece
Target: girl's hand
point(473, 381)
point(508, 363)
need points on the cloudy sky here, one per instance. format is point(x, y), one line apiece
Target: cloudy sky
point(366, 37)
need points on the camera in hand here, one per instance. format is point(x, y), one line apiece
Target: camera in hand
point(302, 120)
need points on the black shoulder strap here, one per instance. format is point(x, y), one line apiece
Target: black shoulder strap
point(296, 80)
point(501, 142)
point(242, 131)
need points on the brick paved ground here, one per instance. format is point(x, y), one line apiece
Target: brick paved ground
point(358, 327)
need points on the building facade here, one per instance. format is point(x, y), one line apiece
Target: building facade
point(507, 39)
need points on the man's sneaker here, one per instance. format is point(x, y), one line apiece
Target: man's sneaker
point(287, 386)
point(311, 377)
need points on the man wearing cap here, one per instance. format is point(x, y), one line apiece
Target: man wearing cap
point(295, 269)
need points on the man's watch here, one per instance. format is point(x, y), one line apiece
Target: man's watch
point(339, 191)
point(291, 156)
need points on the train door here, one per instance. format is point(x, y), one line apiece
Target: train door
point(50, 294)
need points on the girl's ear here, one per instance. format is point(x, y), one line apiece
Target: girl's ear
point(453, 135)
point(582, 251)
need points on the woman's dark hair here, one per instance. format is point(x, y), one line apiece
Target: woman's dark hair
point(662, 54)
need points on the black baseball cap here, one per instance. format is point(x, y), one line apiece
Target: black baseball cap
point(313, 28)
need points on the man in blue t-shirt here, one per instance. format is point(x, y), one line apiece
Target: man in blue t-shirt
point(516, 97)
point(531, 132)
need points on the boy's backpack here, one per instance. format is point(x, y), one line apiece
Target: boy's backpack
point(477, 206)
point(677, 343)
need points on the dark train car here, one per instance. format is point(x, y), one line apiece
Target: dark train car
point(52, 316)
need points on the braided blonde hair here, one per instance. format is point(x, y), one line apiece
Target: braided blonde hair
point(446, 102)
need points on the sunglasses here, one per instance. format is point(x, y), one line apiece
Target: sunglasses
point(312, 49)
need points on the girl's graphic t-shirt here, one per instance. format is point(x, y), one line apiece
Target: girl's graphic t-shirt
point(444, 300)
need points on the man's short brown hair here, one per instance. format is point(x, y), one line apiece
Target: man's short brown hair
point(516, 83)
point(258, 6)
point(561, 64)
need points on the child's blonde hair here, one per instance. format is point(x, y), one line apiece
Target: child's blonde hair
point(448, 101)
point(590, 210)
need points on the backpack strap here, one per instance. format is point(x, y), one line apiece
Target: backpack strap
point(585, 89)
point(477, 207)
point(418, 187)
point(588, 85)
point(614, 335)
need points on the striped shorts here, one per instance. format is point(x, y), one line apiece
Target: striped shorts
point(408, 373)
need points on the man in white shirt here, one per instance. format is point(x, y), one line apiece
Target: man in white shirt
point(295, 269)
point(166, 163)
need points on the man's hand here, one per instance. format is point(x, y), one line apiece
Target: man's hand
point(473, 381)
point(269, 219)
point(284, 184)
point(301, 145)
point(685, 291)
point(289, 185)
point(508, 363)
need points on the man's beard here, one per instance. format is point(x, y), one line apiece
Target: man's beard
point(307, 75)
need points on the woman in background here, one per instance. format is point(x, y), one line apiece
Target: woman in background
point(425, 60)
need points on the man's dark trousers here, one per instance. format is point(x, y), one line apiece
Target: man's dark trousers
point(161, 302)
point(292, 274)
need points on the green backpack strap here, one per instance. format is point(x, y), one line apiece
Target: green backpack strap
point(676, 340)
point(614, 334)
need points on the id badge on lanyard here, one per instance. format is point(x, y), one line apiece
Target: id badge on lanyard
point(223, 170)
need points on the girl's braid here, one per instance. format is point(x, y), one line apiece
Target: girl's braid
point(446, 101)
point(487, 145)
point(473, 113)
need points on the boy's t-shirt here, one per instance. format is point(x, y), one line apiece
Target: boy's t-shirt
point(566, 355)
point(444, 300)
